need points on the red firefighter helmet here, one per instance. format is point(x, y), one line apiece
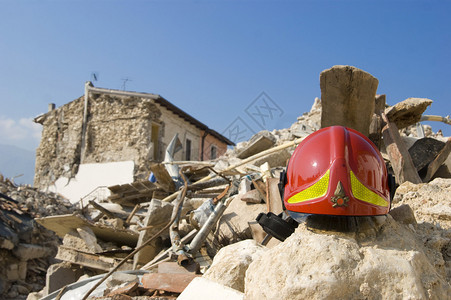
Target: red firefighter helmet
point(337, 171)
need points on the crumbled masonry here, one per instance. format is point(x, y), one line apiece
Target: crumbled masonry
point(52, 248)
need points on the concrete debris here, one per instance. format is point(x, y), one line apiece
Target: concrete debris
point(27, 249)
point(258, 143)
point(231, 262)
point(407, 112)
point(182, 219)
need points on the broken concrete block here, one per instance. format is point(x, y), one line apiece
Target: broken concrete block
point(253, 196)
point(301, 130)
point(169, 282)
point(119, 278)
point(30, 251)
point(204, 288)
point(233, 225)
point(158, 215)
point(407, 112)
point(258, 143)
point(90, 239)
point(347, 97)
point(73, 240)
point(277, 159)
point(403, 214)
point(231, 262)
point(60, 275)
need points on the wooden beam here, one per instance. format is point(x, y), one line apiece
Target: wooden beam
point(400, 159)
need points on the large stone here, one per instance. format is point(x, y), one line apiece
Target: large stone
point(253, 196)
point(311, 265)
point(403, 214)
point(59, 275)
point(347, 98)
point(407, 112)
point(231, 262)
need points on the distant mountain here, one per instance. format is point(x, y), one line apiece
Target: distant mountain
point(15, 161)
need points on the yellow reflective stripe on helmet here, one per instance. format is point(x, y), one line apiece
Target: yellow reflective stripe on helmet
point(317, 190)
point(361, 192)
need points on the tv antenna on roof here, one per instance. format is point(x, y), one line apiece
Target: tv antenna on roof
point(124, 83)
point(94, 76)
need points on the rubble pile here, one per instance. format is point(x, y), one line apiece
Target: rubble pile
point(192, 232)
point(27, 249)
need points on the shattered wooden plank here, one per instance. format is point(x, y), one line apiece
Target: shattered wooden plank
point(438, 161)
point(90, 260)
point(400, 159)
point(62, 224)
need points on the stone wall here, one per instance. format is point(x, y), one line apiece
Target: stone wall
point(119, 129)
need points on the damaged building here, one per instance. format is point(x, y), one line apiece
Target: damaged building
point(125, 131)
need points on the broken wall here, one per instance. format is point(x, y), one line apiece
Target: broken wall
point(59, 151)
point(174, 124)
point(119, 129)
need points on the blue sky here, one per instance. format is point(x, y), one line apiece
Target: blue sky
point(214, 58)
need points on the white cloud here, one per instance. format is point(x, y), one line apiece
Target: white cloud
point(23, 133)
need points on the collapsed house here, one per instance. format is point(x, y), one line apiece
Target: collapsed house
point(124, 131)
point(201, 241)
